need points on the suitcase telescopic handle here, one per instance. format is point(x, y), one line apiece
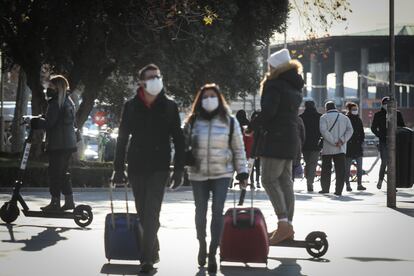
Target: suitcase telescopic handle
point(241, 201)
point(111, 185)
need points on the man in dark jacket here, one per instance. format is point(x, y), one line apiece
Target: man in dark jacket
point(151, 119)
point(310, 149)
point(280, 101)
point(379, 128)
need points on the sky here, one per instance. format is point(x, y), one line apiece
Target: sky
point(367, 15)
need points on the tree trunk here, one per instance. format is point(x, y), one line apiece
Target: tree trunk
point(22, 98)
point(39, 103)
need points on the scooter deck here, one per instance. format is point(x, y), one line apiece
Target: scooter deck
point(41, 214)
point(293, 243)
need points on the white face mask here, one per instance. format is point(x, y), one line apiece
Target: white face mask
point(354, 112)
point(210, 104)
point(154, 86)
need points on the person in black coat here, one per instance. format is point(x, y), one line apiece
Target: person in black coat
point(280, 101)
point(379, 128)
point(151, 119)
point(354, 149)
point(310, 148)
point(59, 123)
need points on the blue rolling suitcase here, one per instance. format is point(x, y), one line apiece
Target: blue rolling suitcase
point(123, 234)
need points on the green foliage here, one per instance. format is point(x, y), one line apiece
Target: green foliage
point(101, 44)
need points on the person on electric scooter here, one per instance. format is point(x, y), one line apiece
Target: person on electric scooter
point(281, 97)
point(59, 123)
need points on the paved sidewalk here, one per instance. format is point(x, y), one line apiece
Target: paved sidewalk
point(365, 237)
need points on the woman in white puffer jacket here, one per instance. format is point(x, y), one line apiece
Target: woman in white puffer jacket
point(216, 143)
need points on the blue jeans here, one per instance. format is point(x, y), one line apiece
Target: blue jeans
point(201, 191)
point(348, 164)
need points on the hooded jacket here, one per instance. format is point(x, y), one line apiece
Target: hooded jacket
point(280, 101)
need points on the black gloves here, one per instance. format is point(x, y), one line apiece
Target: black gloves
point(176, 179)
point(119, 177)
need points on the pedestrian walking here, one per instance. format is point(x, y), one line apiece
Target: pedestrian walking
point(297, 170)
point(379, 128)
point(354, 149)
point(216, 143)
point(280, 100)
point(59, 123)
point(336, 130)
point(311, 150)
point(255, 171)
point(151, 119)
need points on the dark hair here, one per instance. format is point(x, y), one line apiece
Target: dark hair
point(350, 105)
point(242, 117)
point(310, 104)
point(223, 108)
point(329, 105)
point(148, 67)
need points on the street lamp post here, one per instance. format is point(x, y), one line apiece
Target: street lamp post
point(2, 144)
point(391, 119)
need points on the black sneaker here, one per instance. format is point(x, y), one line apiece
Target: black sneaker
point(147, 267)
point(337, 194)
point(348, 189)
point(361, 188)
point(323, 192)
point(54, 206)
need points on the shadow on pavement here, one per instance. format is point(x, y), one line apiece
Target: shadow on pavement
point(48, 237)
point(287, 267)
point(402, 194)
point(123, 269)
point(406, 211)
point(344, 198)
point(369, 259)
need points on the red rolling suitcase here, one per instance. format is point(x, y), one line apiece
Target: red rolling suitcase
point(244, 236)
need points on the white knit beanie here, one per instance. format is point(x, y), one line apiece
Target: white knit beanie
point(278, 58)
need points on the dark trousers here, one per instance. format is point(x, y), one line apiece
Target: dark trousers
point(383, 149)
point(201, 192)
point(339, 163)
point(311, 161)
point(59, 181)
point(255, 170)
point(148, 191)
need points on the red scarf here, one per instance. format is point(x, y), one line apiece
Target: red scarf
point(141, 96)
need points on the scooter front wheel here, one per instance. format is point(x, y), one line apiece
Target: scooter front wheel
point(317, 244)
point(9, 212)
point(83, 216)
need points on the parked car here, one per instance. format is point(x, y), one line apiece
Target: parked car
point(370, 143)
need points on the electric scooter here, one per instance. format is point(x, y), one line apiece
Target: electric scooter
point(82, 214)
point(315, 243)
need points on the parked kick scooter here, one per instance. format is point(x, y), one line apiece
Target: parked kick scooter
point(82, 214)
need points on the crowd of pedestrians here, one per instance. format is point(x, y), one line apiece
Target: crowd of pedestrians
point(214, 145)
